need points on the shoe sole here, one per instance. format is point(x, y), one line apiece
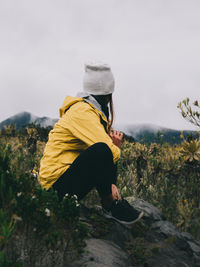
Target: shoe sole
point(109, 216)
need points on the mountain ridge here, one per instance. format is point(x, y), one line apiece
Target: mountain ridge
point(149, 133)
point(145, 132)
point(24, 118)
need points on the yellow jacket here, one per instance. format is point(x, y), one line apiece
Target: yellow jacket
point(77, 129)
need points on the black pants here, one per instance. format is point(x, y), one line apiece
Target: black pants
point(93, 168)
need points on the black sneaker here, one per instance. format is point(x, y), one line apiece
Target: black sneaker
point(122, 212)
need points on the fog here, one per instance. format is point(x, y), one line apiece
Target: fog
point(152, 47)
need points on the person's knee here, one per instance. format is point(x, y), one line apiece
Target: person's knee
point(102, 147)
point(103, 150)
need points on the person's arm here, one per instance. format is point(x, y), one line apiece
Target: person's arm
point(85, 125)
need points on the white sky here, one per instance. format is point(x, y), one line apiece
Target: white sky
point(152, 46)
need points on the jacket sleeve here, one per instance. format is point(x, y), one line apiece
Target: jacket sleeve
point(85, 125)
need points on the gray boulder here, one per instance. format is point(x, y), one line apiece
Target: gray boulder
point(151, 242)
point(103, 253)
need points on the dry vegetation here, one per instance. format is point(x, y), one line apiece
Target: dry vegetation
point(167, 176)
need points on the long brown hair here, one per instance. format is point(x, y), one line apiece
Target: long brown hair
point(109, 101)
point(106, 103)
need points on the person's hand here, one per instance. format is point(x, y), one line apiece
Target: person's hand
point(116, 137)
point(115, 192)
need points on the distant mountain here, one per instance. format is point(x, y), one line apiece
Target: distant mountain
point(149, 133)
point(25, 118)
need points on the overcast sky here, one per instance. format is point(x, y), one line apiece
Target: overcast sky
point(152, 46)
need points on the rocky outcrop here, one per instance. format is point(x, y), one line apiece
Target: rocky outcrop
point(103, 253)
point(151, 242)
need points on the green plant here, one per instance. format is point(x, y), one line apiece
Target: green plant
point(6, 263)
point(7, 177)
point(31, 211)
point(163, 176)
point(191, 150)
point(188, 113)
point(7, 228)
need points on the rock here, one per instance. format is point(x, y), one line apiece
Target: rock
point(166, 228)
point(119, 235)
point(170, 247)
point(103, 253)
point(187, 236)
point(153, 241)
point(194, 247)
point(151, 213)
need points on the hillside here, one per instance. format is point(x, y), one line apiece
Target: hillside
point(150, 133)
point(37, 230)
point(143, 133)
point(24, 118)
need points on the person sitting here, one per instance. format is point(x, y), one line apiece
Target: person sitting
point(82, 149)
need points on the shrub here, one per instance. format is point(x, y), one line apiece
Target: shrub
point(190, 114)
point(167, 176)
point(25, 207)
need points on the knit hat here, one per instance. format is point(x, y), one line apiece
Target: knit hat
point(98, 79)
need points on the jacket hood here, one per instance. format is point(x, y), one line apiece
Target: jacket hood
point(91, 100)
point(68, 102)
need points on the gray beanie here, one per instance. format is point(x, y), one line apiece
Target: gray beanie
point(98, 79)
